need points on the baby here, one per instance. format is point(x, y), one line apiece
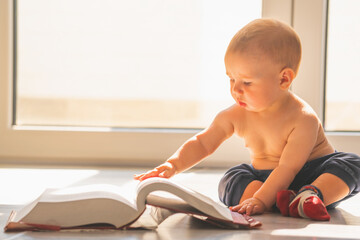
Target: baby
point(293, 166)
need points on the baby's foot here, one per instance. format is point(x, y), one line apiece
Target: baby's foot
point(283, 200)
point(308, 204)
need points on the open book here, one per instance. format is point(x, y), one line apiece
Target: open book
point(104, 206)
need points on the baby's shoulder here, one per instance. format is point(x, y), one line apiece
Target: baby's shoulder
point(234, 111)
point(231, 115)
point(302, 111)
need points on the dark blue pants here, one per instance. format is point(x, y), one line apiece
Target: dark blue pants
point(346, 166)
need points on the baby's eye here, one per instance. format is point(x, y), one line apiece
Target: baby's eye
point(232, 80)
point(247, 83)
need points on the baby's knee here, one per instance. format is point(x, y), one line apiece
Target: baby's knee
point(232, 185)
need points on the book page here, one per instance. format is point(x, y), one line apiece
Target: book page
point(89, 201)
point(88, 192)
point(191, 197)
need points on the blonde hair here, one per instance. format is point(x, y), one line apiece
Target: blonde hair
point(271, 38)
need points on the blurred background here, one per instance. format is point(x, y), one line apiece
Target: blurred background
point(154, 63)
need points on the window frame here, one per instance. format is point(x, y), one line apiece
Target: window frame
point(149, 147)
point(310, 22)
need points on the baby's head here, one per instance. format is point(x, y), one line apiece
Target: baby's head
point(268, 39)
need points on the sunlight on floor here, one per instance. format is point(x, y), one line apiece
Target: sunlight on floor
point(336, 231)
point(27, 184)
point(348, 205)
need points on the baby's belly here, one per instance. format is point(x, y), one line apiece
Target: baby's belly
point(265, 163)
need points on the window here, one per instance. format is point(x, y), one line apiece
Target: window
point(102, 141)
point(309, 20)
point(342, 75)
point(74, 122)
point(143, 64)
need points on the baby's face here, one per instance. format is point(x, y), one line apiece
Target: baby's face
point(254, 83)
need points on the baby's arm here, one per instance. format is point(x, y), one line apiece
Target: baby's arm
point(300, 144)
point(195, 149)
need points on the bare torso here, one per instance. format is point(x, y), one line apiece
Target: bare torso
point(266, 136)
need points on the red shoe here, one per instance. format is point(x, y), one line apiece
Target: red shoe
point(308, 205)
point(283, 200)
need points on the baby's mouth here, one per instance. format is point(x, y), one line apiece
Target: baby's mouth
point(242, 104)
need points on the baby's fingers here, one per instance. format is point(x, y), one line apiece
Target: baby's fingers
point(249, 209)
point(162, 168)
point(256, 210)
point(235, 208)
point(149, 175)
point(152, 173)
point(246, 208)
point(138, 176)
point(165, 174)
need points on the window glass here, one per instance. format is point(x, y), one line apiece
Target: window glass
point(342, 75)
point(121, 63)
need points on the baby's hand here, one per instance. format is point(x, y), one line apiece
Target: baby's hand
point(250, 206)
point(165, 170)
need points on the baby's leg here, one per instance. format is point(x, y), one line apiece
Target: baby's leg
point(311, 201)
point(250, 190)
point(338, 179)
point(240, 183)
point(332, 188)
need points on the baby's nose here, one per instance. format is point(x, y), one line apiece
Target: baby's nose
point(238, 88)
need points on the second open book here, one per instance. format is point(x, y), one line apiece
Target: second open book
point(105, 206)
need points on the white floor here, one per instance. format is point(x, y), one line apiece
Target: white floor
point(21, 185)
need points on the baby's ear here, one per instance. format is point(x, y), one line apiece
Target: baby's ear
point(287, 75)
